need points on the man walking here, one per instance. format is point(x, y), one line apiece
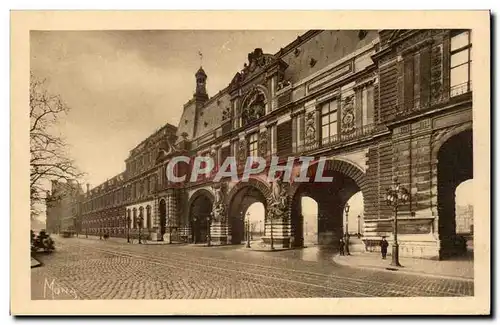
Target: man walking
point(383, 247)
point(341, 246)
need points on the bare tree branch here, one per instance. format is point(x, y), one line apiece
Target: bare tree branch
point(49, 158)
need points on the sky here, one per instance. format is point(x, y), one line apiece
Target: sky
point(121, 86)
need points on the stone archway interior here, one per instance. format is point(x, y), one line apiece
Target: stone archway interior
point(454, 166)
point(255, 214)
point(330, 198)
point(199, 214)
point(309, 208)
point(163, 218)
point(238, 207)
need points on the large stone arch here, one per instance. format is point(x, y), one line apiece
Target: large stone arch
point(196, 195)
point(330, 197)
point(199, 206)
point(452, 155)
point(439, 138)
point(241, 196)
point(350, 170)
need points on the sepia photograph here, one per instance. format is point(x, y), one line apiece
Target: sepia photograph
point(241, 164)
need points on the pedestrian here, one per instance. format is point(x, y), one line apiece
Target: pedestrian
point(383, 247)
point(341, 246)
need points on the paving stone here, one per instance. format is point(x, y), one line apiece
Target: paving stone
point(112, 270)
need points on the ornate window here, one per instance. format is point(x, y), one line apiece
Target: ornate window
point(460, 63)
point(329, 126)
point(253, 145)
point(254, 107)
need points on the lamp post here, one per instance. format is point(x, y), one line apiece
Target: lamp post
point(359, 226)
point(194, 232)
point(128, 227)
point(248, 229)
point(209, 222)
point(139, 224)
point(346, 209)
point(395, 196)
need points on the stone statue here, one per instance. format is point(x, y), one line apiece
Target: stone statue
point(219, 209)
point(278, 204)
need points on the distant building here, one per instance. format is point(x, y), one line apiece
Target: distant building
point(465, 219)
point(63, 207)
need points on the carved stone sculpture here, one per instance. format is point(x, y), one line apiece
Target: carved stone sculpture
point(278, 202)
point(310, 128)
point(263, 143)
point(348, 117)
point(219, 208)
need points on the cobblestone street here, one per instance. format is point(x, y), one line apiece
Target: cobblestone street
point(92, 269)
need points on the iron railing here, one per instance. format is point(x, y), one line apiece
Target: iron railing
point(356, 133)
point(418, 103)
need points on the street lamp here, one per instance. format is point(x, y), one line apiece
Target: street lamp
point(194, 232)
point(248, 229)
point(128, 227)
point(139, 224)
point(395, 196)
point(209, 222)
point(346, 209)
point(359, 226)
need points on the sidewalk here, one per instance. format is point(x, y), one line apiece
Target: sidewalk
point(35, 262)
point(462, 269)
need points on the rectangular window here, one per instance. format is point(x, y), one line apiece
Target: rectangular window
point(272, 130)
point(329, 125)
point(367, 108)
point(299, 132)
point(460, 63)
point(253, 145)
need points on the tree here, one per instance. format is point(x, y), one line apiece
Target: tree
point(49, 159)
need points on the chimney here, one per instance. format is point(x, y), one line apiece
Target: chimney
point(88, 187)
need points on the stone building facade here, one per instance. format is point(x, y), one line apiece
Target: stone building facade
point(63, 204)
point(376, 104)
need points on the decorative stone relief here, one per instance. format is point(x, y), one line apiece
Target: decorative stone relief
point(310, 128)
point(278, 202)
point(257, 60)
point(226, 114)
point(436, 73)
point(348, 117)
point(263, 140)
point(254, 106)
point(283, 84)
point(242, 152)
point(219, 209)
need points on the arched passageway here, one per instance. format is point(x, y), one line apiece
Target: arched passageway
point(199, 214)
point(330, 198)
point(240, 199)
point(454, 167)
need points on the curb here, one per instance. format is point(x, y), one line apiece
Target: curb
point(35, 262)
point(394, 270)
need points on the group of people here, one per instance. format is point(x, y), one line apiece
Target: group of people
point(384, 244)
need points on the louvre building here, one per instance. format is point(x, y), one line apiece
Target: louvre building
point(378, 104)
